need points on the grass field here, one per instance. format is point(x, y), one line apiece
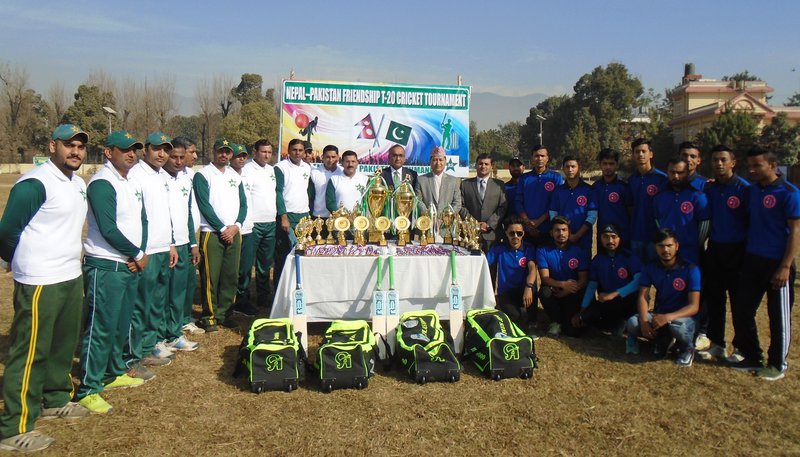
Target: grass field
point(587, 398)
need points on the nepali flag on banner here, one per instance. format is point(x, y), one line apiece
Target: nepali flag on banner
point(368, 132)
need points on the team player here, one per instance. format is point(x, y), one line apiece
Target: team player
point(684, 209)
point(515, 169)
point(691, 155)
point(677, 284)
point(346, 189)
point(533, 195)
point(146, 339)
point(320, 178)
point(768, 267)
point(248, 255)
point(516, 273)
point(113, 261)
point(263, 212)
point(612, 197)
point(223, 207)
point(574, 201)
point(40, 235)
point(728, 200)
point(644, 184)
point(293, 178)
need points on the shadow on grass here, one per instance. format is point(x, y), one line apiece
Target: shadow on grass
point(597, 344)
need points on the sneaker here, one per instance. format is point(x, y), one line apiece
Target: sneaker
point(685, 358)
point(735, 357)
point(183, 344)
point(631, 345)
point(770, 373)
point(192, 329)
point(554, 330)
point(716, 352)
point(746, 365)
point(26, 442)
point(95, 404)
point(246, 310)
point(71, 410)
point(207, 327)
point(153, 361)
point(702, 342)
point(162, 351)
point(124, 381)
point(139, 371)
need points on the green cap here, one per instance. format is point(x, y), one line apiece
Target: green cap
point(223, 143)
point(158, 138)
point(239, 149)
point(68, 131)
point(123, 139)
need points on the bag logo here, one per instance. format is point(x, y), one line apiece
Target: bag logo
point(679, 284)
point(274, 362)
point(770, 201)
point(652, 189)
point(343, 360)
point(581, 200)
point(549, 186)
point(733, 202)
point(613, 197)
point(438, 359)
point(511, 351)
point(687, 207)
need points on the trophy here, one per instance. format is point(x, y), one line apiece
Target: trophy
point(329, 226)
point(301, 231)
point(448, 218)
point(376, 200)
point(402, 224)
point(318, 224)
point(360, 223)
point(341, 224)
point(404, 203)
point(382, 224)
point(424, 225)
point(458, 227)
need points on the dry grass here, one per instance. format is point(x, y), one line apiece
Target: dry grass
point(587, 398)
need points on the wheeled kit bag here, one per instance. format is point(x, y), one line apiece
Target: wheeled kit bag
point(347, 356)
point(272, 356)
point(424, 349)
point(497, 347)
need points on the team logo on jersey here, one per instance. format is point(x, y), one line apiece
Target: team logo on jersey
point(678, 284)
point(232, 182)
point(652, 189)
point(613, 197)
point(622, 273)
point(687, 207)
point(733, 202)
point(770, 201)
point(581, 200)
point(549, 186)
point(573, 263)
point(523, 261)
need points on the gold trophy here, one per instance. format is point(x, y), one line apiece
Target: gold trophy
point(329, 225)
point(300, 233)
point(448, 218)
point(458, 225)
point(341, 224)
point(376, 200)
point(404, 204)
point(402, 224)
point(382, 224)
point(360, 223)
point(318, 224)
point(424, 225)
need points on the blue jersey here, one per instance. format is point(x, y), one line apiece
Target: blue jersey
point(512, 265)
point(698, 181)
point(728, 206)
point(672, 285)
point(682, 211)
point(770, 208)
point(578, 206)
point(642, 190)
point(563, 264)
point(614, 272)
point(533, 194)
point(511, 199)
point(612, 200)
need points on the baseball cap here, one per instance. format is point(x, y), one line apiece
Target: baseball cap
point(68, 131)
point(515, 160)
point(307, 145)
point(123, 139)
point(239, 149)
point(158, 138)
point(610, 228)
point(223, 143)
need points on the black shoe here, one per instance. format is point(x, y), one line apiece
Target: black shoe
point(246, 310)
point(208, 327)
point(229, 323)
point(747, 365)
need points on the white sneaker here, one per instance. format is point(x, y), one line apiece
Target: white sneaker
point(162, 351)
point(716, 352)
point(183, 344)
point(193, 329)
point(736, 357)
point(702, 343)
point(554, 330)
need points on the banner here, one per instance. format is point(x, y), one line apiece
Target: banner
point(370, 118)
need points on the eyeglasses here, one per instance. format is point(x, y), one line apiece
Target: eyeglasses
point(517, 234)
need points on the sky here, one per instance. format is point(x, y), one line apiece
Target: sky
point(510, 48)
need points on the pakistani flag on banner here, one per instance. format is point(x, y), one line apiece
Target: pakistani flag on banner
point(398, 133)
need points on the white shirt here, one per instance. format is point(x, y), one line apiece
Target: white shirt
point(349, 190)
point(154, 188)
point(223, 195)
point(247, 225)
point(295, 185)
point(262, 188)
point(180, 199)
point(320, 177)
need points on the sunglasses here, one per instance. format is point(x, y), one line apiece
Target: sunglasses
point(517, 234)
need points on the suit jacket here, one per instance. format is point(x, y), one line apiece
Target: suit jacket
point(449, 193)
point(493, 207)
point(387, 176)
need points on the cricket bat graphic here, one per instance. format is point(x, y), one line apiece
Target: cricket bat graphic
point(456, 307)
point(392, 308)
point(379, 309)
point(299, 320)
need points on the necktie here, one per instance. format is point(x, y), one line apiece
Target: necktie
point(397, 179)
point(482, 188)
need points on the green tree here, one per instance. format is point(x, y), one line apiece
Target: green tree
point(735, 128)
point(188, 126)
point(741, 76)
point(783, 138)
point(253, 121)
point(583, 139)
point(794, 100)
point(87, 112)
point(249, 89)
point(557, 110)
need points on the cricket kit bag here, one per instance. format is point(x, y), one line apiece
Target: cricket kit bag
point(346, 356)
point(272, 356)
point(424, 349)
point(497, 346)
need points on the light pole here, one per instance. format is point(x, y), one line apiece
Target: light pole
point(111, 112)
point(540, 119)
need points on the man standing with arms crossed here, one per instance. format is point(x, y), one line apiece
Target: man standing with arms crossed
point(644, 184)
point(40, 235)
point(292, 176)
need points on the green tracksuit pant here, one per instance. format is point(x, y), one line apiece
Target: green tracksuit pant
point(176, 315)
point(191, 286)
point(246, 259)
point(149, 308)
point(265, 253)
point(219, 275)
point(284, 242)
point(110, 291)
point(43, 338)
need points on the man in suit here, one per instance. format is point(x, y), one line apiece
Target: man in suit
point(397, 158)
point(485, 199)
point(436, 188)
